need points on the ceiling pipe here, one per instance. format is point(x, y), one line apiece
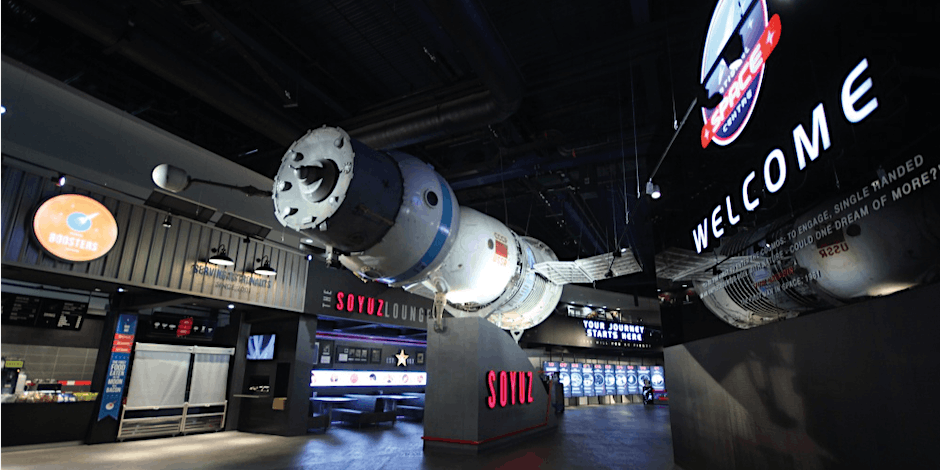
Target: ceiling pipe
point(467, 24)
point(465, 21)
point(190, 76)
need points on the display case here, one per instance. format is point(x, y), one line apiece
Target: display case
point(46, 417)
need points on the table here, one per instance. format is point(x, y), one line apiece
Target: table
point(326, 406)
point(391, 401)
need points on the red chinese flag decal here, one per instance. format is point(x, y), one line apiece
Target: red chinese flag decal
point(502, 249)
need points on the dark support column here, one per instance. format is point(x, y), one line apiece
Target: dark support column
point(236, 378)
point(288, 376)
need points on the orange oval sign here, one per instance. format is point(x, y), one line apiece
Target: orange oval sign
point(75, 227)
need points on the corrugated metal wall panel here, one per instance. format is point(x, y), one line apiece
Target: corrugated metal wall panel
point(146, 254)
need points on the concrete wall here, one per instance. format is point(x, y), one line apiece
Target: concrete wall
point(855, 387)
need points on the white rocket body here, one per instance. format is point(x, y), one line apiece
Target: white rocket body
point(392, 219)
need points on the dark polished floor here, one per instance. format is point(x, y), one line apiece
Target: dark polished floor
point(589, 437)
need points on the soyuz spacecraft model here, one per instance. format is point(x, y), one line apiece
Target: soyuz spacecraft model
point(390, 218)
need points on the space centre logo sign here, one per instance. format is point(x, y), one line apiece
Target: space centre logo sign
point(73, 227)
point(737, 78)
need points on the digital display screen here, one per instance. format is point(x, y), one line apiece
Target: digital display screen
point(658, 378)
point(599, 380)
point(577, 381)
point(609, 380)
point(620, 378)
point(564, 376)
point(632, 381)
point(643, 376)
point(367, 378)
point(587, 376)
point(261, 347)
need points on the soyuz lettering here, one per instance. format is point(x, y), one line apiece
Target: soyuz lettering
point(508, 388)
point(360, 304)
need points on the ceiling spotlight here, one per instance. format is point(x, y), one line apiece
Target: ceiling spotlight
point(231, 306)
point(221, 257)
point(120, 289)
point(265, 269)
point(167, 221)
point(59, 180)
point(653, 190)
point(309, 257)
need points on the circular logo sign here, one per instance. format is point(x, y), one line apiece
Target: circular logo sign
point(73, 227)
point(738, 42)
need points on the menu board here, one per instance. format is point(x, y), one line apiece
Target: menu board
point(620, 377)
point(609, 379)
point(643, 376)
point(587, 376)
point(658, 379)
point(182, 326)
point(564, 376)
point(599, 380)
point(632, 381)
point(577, 381)
point(550, 367)
point(28, 310)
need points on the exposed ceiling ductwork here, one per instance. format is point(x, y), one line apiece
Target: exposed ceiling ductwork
point(464, 20)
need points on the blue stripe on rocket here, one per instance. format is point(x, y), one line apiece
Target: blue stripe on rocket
point(443, 231)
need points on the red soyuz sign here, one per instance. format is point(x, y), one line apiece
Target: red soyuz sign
point(512, 385)
point(360, 303)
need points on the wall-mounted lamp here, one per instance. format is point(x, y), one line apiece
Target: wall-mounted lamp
point(653, 190)
point(174, 180)
point(167, 221)
point(59, 180)
point(265, 269)
point(221, 257)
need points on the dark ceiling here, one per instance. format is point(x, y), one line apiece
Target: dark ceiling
point(548, 115)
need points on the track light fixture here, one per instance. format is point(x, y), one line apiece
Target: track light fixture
point(653, 190)
point(221, 257)
point(265, 269)
point(167, 221)
point(59, 180)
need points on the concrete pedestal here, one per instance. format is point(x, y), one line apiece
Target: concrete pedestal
point(457, 418)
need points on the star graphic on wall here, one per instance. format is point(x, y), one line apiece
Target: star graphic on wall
point(402, 357)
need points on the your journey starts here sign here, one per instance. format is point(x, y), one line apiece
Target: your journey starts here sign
point(613, 330)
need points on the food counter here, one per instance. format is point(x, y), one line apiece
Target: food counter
point(40, 418)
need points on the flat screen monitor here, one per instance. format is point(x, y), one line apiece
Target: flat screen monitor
point(261, 347)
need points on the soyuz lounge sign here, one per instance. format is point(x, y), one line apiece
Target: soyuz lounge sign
point(374, 306)
point(508, 388)
point(73, 227)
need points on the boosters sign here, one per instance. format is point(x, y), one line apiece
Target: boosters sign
point(736, 78)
